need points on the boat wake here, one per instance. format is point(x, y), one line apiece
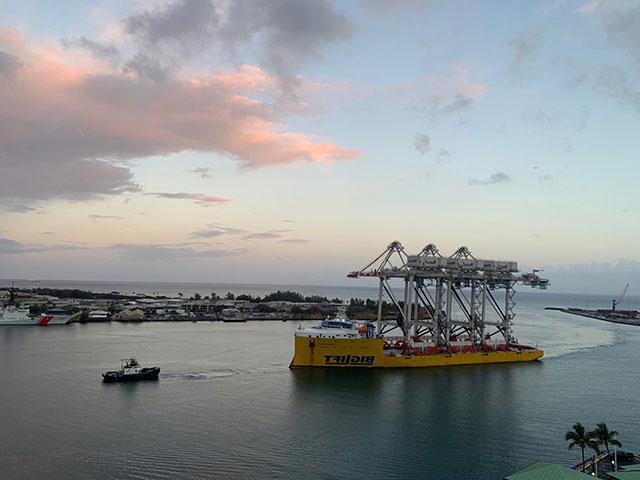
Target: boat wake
point(199, 375)
point(559, 334)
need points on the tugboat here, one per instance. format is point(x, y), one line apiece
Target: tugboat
point(131, 371)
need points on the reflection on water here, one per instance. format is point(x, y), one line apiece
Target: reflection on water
point(416, 419)
point(128, 393)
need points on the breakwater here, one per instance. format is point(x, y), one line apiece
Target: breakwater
point(624, 317)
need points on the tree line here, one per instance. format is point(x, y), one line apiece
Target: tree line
point(279, 296)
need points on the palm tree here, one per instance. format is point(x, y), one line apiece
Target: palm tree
point(579, 437)
point(606, 437)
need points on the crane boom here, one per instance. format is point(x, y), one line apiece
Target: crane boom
point(617, 301)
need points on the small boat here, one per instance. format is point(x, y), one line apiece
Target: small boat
point(131, 371)
point(231, 315)
point(98, 316)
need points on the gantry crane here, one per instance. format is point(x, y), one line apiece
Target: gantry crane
point(445, 297)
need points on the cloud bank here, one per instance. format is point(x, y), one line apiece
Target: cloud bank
point(12, 247)
point(443, 94)
point(526, 46)
point(285, 33)
point(499, 177)
point(136, 252)
point(76, 119)
point(96, 216)
point(422, 143)
point(199, 198)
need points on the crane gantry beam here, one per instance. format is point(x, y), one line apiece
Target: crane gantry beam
point(384, 262)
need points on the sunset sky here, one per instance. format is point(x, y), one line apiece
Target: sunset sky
point(290, 141)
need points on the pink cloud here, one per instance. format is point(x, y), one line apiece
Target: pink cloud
point(590, 7)
point(441, 94)
point(73, 118)
point(455, 83)
point(199, 198)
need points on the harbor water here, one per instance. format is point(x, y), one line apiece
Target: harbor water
point(227, 406)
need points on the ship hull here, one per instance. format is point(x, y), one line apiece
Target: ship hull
point(369, 353)
point(24, 321)
point(145, 374)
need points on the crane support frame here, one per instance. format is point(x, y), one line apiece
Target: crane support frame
point(434, 304)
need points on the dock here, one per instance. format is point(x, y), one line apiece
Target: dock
point(608, 464)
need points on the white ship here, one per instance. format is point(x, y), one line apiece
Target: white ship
point(99, 316)
point(57, 316)
point(11, 314)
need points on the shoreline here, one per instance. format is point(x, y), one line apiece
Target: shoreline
point(83, 306)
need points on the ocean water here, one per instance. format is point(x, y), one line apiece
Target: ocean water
point(227, 406)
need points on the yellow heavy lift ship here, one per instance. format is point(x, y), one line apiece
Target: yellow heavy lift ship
point(449, 315)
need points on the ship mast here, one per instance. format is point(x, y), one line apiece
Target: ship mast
point(445, 297)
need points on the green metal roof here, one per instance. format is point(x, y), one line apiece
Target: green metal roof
point(631, 468)
point(625, 475)
point(548, 471)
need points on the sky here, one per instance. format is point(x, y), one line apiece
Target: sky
point(290, 141)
